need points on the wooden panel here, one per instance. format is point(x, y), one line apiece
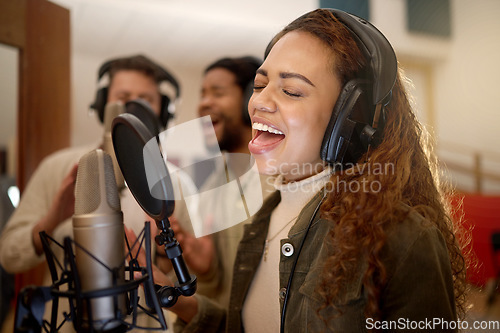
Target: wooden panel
point(12, 22)
point(41, 31)
point(44, 117)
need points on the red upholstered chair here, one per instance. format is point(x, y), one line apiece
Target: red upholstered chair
point(481, 215)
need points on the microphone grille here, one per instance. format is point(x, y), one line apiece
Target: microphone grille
point(112, 196)
point(88, 187)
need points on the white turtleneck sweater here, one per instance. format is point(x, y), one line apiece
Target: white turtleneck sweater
point(262, 306)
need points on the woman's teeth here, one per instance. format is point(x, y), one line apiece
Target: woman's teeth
point(265, 128)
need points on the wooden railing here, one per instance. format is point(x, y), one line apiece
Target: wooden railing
point(470, 163)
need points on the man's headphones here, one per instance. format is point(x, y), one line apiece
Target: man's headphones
point(358, 116)
point(161, 75)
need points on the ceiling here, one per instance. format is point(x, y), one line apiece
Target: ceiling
point(180, 32)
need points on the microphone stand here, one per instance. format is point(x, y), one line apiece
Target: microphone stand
point(31, 302)
point(186, 284)
point(30, 307)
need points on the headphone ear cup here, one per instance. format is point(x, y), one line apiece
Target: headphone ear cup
point(247, 93)
point(340, 143)
point(100, 102)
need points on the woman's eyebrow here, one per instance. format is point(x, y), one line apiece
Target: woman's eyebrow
point(287, 75)
point(261, 72)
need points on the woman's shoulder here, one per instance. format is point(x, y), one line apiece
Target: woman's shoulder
point(413, 234)
point(410, 226)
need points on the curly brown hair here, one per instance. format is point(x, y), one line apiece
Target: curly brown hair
point(363, 218)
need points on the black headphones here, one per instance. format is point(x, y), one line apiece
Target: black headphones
point(167, 105)
point(358, 116)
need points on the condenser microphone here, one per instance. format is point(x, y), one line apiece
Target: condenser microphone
point(99, 242)
point(111, 111)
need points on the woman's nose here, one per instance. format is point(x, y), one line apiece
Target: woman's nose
point(262, 101)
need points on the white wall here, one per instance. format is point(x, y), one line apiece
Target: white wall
point(465, 72)
point(468, 113)
point(467, 82)
point(8, 104)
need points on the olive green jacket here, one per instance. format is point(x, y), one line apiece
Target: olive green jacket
point(418, 293)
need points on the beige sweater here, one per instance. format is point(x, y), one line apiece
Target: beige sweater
point(261, 308)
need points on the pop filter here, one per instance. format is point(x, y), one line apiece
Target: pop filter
point(142, 110)
point(140, 160)
point(145, 172)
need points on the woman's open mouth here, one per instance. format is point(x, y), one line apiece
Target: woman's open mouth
point(265, 138)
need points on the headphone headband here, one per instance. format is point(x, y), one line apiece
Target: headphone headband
point(357, 119)
point(375, 48)
point(163, 74)
point(160, 75)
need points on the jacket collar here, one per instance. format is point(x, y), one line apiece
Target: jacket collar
point(302, 221)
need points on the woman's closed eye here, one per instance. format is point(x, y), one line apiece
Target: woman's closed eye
point(289, 92)
point(259, 87)
point(292, 93)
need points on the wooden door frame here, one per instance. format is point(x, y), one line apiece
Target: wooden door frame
point(40, 30)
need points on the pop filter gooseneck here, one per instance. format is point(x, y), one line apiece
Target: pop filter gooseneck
point(145, 172)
